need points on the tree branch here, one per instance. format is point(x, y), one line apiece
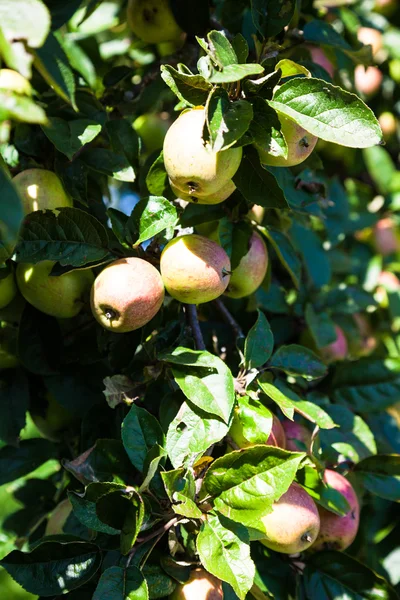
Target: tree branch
point(229, 318)
point(191, 312)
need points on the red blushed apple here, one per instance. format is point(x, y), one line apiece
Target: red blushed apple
point(298, 438)
point(201, 585)
point(338, 350)
point(247, 277)
point(368, 80)
point(370, 37)
point(319, 57)
point(385, 237)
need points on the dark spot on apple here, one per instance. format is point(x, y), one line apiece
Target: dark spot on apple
point(304, 142)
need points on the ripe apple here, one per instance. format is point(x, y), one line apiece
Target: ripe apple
point(293, 525)
point(194, 269)
point(127, 294)
point(40, 190)
point(153, 21)
point(388, 123)
point(276, 436)
point(370, 37)
point(15, 82)
point(386, 237)
point(215, 198)
point(247, 277)
point(62, 297)
point(368, 80)
point(201, 585)
point(337, 533)
point(192, 166)
point(338, 350)
point(151, 128)
point(53, 420)
point(8, 289)
point(319, 58)
point(300, 145)
point(58, 518)
point(298, 438)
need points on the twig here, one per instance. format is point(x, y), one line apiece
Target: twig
point(157, 533)
point(191, 312)
point(229, 318)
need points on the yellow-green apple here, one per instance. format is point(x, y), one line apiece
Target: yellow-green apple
point(394, 69)
point(15, 82)
point(215, 198)
point(300, 144)
point(368, 80)
point(192, 166)
point(336, 532)
point(8, 289)
point(153, 21)
point(247, 277)
point(151, 128)
point(40, 190)
point(386, 238)
point(298, 437)
point(201, 585)
point(293, 525)
point(195, 269)
point(62, 297)
point(53, 419)
point(58, 518)
point(127, 294)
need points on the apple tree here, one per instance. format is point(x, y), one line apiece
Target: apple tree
point(199, 299)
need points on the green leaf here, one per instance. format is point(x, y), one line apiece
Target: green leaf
point(298, 361)
point(285, 251)
point(321, 326)
point(258, 185)
point(246, 483)
point(328, 112)
point(11, 214)
point(192, 90)
point(84, 505)
point(52, 63)
point(109, 163)
point(154, 459)
point(117, 583)
point(271, 16)
point(72, 237)
point(140, 431)
point(157, 178)
point(265, 129)
point(325, 496)
point(30, 454)
point(160, 585)
point(319, 32)
point(150, 217)
point(290, 68)
point(69, 136)
point(221, 49)
point(53, 568)
point(224, 551)
point(15, 107)
point(122, 510)
point(232, 73)
point(181, 489)
point(204, 379)
point(380, 475)
point(226, 121)
point(190, 434)
point(338, 575)
point(254, 420)
point(381, 169)
point(124, 139)
point(309, 245)
point(259, 343)
point(367, 385)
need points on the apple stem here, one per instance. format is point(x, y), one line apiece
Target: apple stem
point(229, 318)
point(191, 312)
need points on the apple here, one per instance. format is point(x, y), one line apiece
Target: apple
point(8, 289)
point(62, 297)
point(58, 518)
point(319, 58)
point(151, 128)
point(367, 342)
point(15, 82)
point(368, 80)
point(385, 7)
point(192, 166)
point(40, 190)
point(53, 420)
point(336, 532)
point(388, 123)
point(257, 213)
point(247, 277)
point(8, 347)
point(387, 282)
point(201, 585)
point(194, 269)
point(153, 21)
point(370, 37)
point(394, 69)
point(338, 350)
point(215, 198)
point(386, 237)
point(298, 438)
point(300, 145)
point(127, 294)
point(293, 525)
point(276, 436)
point(12, 313)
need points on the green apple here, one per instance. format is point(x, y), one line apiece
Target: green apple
point(368, 80)
point(151, 128)
point(12, 313)
point(300, 145)
point(247, 277)
point(274, 437)
point(294, 523)
point(127, 294)
point(338, 532)
point(153, 21)
point(192, 166)
point(58, 518)
point(394, 69)
point(215, 198)
point(201, 585)
point(40, 190)
point(53, 420)
point(62, 297)
point(194, 269)
point(8, 289)
point(15, 82)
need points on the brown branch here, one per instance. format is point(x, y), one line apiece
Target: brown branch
point(191, 312)
point(228, 318)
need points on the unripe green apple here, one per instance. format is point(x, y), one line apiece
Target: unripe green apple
point(8, 289)
point(153, 21)
point(368, 80)
point(151, 127)
point(62, 297)
point(53, 420)
point(215, 198)
point(201, 585)
point(127, 294)
point(300, 145)
point(293, 525)
point(276, 436)
point(194, 269)
point(370, 37)
point(298, 438)
point(336, 532)
point(386, 238)
point(15, 82)
point(40, 190)
point(247, 277)
point(192, 166)
point(58, 518)
point(394, 69)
